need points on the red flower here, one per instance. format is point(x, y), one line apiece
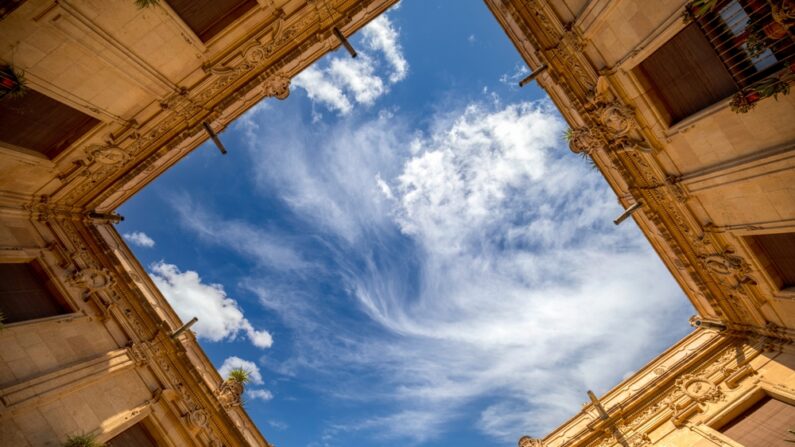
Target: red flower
point(752, 96)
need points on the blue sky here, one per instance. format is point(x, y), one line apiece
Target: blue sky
point(405, 250)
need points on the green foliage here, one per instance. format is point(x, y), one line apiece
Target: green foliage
point(697, 8)
point(589, 159)
point(239, 375)
point(84, 440)
point(146, 3)
point(746, 99)
point(568, 135)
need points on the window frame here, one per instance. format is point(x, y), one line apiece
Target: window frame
point(749, 398)
point(52, 284)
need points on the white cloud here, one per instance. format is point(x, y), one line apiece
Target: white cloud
point(234, 362)
point(340, 81)
point(381, 35)
point(484, 256)
point(260, 394)
point(220, 318)
point(139, 238)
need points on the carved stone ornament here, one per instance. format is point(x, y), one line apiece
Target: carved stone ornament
point(584, 140)
point(617, 118)
point(199, 418)
point(107, 155)
point(277, 86)
point(698, 388)
point(527, 441)
point(230, 393)
point(91, 279)
point(724, 264)
point(639, 440)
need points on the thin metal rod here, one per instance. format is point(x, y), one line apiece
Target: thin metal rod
point(532, 76)
point(215, 138)
point(344, 41)
point(628, 212)
point(184, 327)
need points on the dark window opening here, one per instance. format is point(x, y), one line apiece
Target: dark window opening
point(135, 436)
point(776, 253)
point(26, 293)
point(766, 424)
point(735, 46)
point(39, 123)
point(209, 17)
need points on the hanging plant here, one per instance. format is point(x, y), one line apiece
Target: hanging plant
point(746, 99)
point(141, 4)
point(84, 440)
point(12, 82)
point(697, 8)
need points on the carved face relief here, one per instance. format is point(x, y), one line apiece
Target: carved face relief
point(617, 118)
point(277, 86)
point(91, 279)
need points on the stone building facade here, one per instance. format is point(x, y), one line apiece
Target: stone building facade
point(116, 93)
point(683, 108)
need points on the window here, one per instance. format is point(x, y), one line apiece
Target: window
point(734, 46)
point(766, 424)
point(37, 122)
point(209, 17)
point(776, 253)
point(135, 436)
point(26, 293)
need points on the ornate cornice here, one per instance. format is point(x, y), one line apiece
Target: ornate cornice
point(717, 279)
point(257, 68)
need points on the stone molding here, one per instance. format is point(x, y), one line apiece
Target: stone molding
point(606, 128)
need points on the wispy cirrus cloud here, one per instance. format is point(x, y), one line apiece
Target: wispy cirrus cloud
point(256, 242)
point(481, 259)
point(341, 82)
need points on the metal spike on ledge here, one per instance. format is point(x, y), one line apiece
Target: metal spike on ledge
point(214, 136)
point(532, 76)
point(344, 41)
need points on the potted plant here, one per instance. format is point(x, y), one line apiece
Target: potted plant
point(84, 440)
point(231, 391)
point(746, 99)
point(697, 8)
point(12, 82)
point(239, 375)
